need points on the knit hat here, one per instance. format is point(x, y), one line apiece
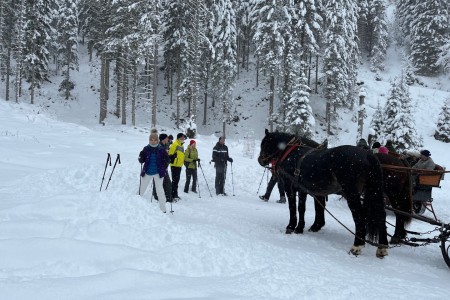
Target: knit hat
point(383, 150)
point(376, 145)
point(153, 134)
point(425, 153)
point(162, 136)
point(192, 142)
point(180, 135)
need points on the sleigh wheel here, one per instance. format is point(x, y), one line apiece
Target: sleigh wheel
point(419, 207)
point(445, 248)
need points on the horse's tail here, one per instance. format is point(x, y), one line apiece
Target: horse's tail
point(374, 202)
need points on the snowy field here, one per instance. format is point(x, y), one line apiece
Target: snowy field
point(60, 238)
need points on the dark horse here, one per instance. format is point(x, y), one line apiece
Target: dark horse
point(397, 186)
point(346, 170)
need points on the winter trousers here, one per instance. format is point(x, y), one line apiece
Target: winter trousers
point(176, 173)
point(273, 180)
point(221, 172)
point(158, 183)
point(191, 173)
point(167, 184)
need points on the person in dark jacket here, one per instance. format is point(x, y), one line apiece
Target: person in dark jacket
point(390, 146)
point(220, 158)
point(274, 180)
point(167, 183)
point(155, 160)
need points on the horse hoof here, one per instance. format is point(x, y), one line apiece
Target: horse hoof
point(316, 227)
point(298, 230)
point(382, 252)
point(289, 230)
point(395, 240)
point(356, 250)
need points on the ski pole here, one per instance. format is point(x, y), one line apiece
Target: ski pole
point(198, 184)
point(232, 182)
point(205, 179)
point(140, 180)
point(108, 159)
point(261, 181)
point(115, 163)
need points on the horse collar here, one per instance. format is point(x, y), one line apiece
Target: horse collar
point(287, 152)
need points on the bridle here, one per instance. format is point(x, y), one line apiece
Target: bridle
point(282, 152)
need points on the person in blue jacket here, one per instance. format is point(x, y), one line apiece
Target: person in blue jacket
point(155, 160)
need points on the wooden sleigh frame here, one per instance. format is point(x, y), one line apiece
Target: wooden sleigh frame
point(425, 181)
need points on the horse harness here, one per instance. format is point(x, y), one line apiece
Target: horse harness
point(293, 143)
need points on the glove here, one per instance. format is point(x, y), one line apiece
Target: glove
point(198, 159)
point(230, 159)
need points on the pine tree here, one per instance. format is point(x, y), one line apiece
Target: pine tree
point(272, 19)
point(8, 20)
point(341, 56)
point(67, 43)
point(299, 116)
point(399, 125)
point(428, 35)
point(443, 125)
point(379, 43)
point(404, 17)
point(37, 33)
point(224, 42)
point(377, 122)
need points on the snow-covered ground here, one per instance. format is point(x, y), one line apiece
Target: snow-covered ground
point(60, 238)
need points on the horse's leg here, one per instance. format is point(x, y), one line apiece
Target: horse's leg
point(354, 203)
point(292, 210)
point(404, 204)
point(301, 212)
point(319, 220)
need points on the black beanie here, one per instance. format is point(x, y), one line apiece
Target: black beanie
point(425, 153)
point(162, 136)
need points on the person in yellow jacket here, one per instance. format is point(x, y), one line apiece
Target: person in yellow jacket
point(190, 162)
point(176, 155)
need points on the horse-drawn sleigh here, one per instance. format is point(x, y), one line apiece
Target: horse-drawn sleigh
point(363, 179)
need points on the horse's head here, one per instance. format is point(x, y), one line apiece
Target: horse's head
point(272, 146)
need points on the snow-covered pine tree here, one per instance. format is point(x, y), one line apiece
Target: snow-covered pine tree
point(443, 125)
point(428, 34)
point(67, 43)
point(378, 26)
point(224, 66)
point(8, 20)
point(377, 122)
point(272, 19)
point(444, 57)
point(341, 56)
point(399, 125)
point(299, 116)
point(404, 14)
point(37, 34)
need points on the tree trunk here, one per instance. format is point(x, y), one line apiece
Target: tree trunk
point(118, 83)
point(155, 82)
point(360, 116)
point(8, 71)
point(133, 93)
point(103, 98)
point(271, 100)
point(124, 88)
